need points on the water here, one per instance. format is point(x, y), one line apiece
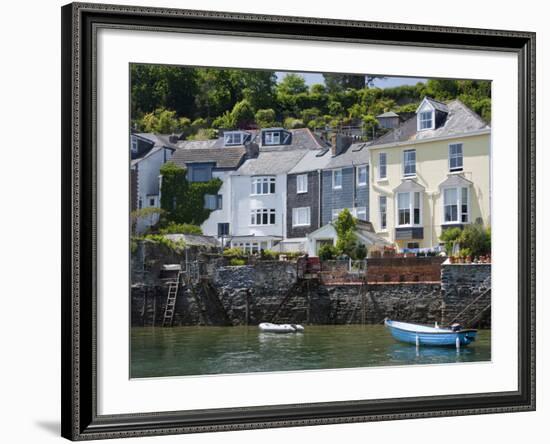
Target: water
point(180, 351)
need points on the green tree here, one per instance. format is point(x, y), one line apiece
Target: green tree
point(161, 121)
point(345, 225)
point(258, 87)
point(242, 114)
point(265, 118)
point(341, 82)
point(287, 90)
point(327, 252)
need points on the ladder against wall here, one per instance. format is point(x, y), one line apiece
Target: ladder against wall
point(170, 308)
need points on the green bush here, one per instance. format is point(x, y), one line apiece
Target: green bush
point(327, 252)
point(236, 262)
point(450, 237)
point(360, 252)
point(175, 228)
point(477, 239)
point(176, 246)
point(269, 255)
point(233, 252)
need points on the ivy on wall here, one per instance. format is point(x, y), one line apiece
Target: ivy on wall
point(183, 201)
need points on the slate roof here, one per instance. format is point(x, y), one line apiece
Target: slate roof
point(157, 139)
point(271, 162)
point(313, 160)
point(408, 185)
point(440, 106)
point(460, 120)
point(229, 157)
point(388, 114)
point(149, 153)
point(455, 180)
point(356, 154)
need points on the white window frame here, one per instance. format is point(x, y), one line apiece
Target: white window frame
point(383, 212)
point(355, 212)
point(260, 181)
point(459, 203)
point(134, 144)
point(336, 212)
point(382, 164)
point(254, 213)
point(461, 157)
point(359, 183)
point(334, 186)
point(231, 138)
point(405, 152)
point(272, 138)
point(296, 216)
point(422, 119)
point(411, 209)
point(301, 183)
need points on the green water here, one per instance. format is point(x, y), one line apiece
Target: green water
point(180, 351)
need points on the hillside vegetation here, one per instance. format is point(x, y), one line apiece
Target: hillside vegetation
point(198, 101)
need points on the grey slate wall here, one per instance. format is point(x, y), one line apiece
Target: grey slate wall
point(335, 199)
point(362, 195)
point(309, 199)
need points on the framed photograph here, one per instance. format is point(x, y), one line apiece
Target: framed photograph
point(278, 221)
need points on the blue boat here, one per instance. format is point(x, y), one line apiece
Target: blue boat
point(425, 335)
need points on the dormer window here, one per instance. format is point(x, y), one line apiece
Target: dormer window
point(272, 138)
point(275, 136)
point(231, 138)
point(426, 120)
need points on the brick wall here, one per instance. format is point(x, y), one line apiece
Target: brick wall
point(404, 269)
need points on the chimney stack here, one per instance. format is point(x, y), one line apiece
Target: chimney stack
point(252, 150)
point(340, 143)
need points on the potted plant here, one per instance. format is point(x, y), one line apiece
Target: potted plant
point(452, 259)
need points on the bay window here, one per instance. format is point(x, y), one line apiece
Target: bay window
point(456, 205)
point(409, 208)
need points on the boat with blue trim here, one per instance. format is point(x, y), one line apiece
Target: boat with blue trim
point(425, 335)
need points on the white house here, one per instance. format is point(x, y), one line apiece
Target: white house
point(146, 172)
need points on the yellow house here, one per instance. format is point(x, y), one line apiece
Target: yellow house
point(429, 173)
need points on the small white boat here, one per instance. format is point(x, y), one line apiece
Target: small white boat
point(268, 327)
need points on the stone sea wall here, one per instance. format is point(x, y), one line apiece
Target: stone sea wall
point(270, 291)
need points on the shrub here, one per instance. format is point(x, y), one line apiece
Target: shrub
point(233, 252)
point(477, 239)
point(360, 252)
point(450, 237)
point(327, 252)
point(269, 255)
point(175, 228)
point(176, 246)
point(236, 262)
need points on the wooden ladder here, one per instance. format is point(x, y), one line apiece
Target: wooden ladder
point(171, 302)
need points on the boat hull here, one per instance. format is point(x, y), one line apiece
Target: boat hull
point(280, 328)
point(421, 335)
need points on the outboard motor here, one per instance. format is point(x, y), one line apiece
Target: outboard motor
point(456, 327)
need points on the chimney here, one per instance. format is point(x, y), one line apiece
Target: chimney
point(173, 138)
point(340, 143)
point(252, 150)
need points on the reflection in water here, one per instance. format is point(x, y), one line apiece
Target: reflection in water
point(182, 351)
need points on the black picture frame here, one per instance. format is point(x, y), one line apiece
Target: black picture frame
point(80, 420)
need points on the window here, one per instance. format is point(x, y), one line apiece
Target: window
point(134, 144)
point(455, 205)
point(213, 201)
point(263, 185)
point(383, 206)
point(152, 202)
point(223, 229)
point(361, 176)
point(233, 138)
point(455, 157)
point(425, 120)
point(301, 183)
point(413, 245)
point(262, 216)
point(272, 138)
point(409, 163)
point(409, 208)
point(247, 247)
point(301, 217)
point(200, 173)
point(360, 213)
point(337, 179)
point(382, 166)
